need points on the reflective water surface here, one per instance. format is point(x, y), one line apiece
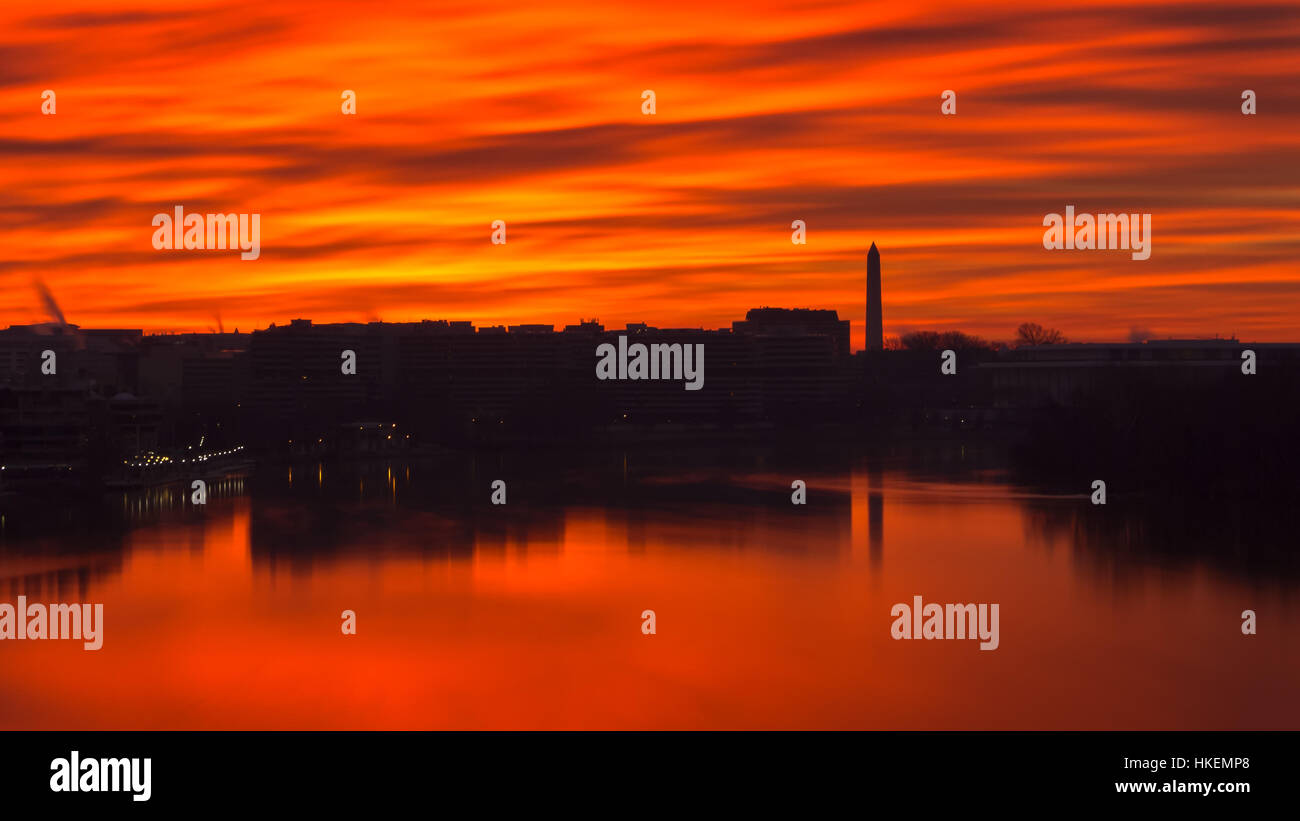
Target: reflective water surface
point(769, 615)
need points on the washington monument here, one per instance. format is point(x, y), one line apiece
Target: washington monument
point(875, 325)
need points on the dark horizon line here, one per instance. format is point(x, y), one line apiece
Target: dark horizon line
point(629, 326)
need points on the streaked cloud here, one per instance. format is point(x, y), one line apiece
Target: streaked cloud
point(768, 112)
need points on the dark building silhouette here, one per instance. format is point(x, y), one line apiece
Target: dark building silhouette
point(793, 323)
point(122, 398)
point(875, 321)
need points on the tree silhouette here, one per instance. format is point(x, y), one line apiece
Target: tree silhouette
point(942, 340)
point(1031, 333)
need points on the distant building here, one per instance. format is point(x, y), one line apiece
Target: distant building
point(790, 323)
point(296, 369)
point(799, 358)
point(45, 430)
point(1041, 375)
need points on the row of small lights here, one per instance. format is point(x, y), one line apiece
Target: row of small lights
point(380, 426)
point(154, 460)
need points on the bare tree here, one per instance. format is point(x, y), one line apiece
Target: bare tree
point(942, 340)
point(1031, 333)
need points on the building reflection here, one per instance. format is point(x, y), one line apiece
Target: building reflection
point(638, 501)
point(1251, 540)
point(443, 509)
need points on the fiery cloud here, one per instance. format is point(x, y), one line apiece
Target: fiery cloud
point(767, 112)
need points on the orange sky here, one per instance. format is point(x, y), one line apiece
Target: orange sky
point(767, 112)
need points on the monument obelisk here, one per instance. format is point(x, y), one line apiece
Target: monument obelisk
point(875, 323)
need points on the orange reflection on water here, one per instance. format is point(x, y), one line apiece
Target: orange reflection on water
point(767, 618)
